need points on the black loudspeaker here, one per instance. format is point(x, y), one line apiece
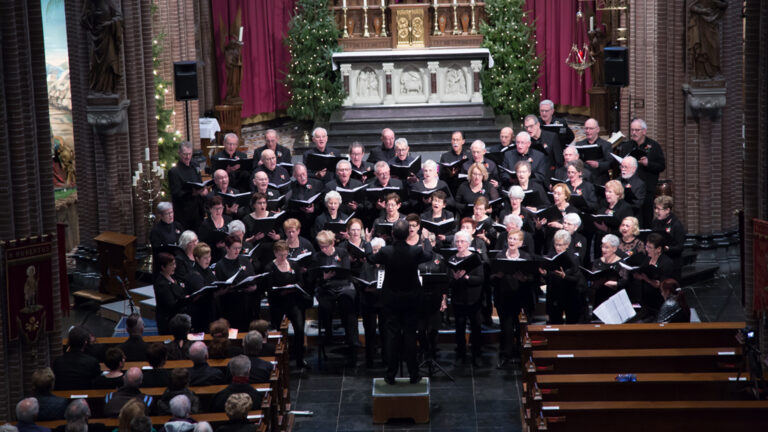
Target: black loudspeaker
point(617, 66)
point(185, 80)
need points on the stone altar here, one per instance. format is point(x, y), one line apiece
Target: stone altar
point(415, 76)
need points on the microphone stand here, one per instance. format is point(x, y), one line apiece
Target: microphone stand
point(131, 304)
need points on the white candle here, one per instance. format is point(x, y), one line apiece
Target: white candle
point(241, 34)
point(435, 3)
point(382, 3)
point(591, 23)
point(134, 181)
point(344, 3)
point(472, 2)
point(154, 166)
point(146, 153)
point(365, 4)
point(139, 166)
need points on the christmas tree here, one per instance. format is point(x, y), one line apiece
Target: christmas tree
point(316, 90)
point(509, 87)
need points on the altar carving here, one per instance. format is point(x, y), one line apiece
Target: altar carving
point(411, 82)
point(455, 83)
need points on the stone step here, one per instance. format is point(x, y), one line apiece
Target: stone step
point(698, 273)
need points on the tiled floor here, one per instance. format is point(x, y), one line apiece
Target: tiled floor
point(481, 399)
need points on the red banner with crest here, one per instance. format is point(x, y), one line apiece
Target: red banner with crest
point(29, 285)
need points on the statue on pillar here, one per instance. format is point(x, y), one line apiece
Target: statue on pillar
point(704, 36)
point(104, 22)
point(234, 63)
point(598, 39)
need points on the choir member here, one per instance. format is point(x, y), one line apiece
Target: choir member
point(215, 224)
point(515, 207)
point(320, 138)
point(334, 288)
point(344, 180)
point(579, 245)
point(382, 226)
point(650, 281)
point(602, 164)
point(387, 149)
point(477, 153)
point(170, 294)
point(288, 296)
point(565, 286)
point(651, 162)
point(523, 175)
point(547, 117)
point(303, 189)
point(580, 187)
point(476, 185)
point(614, 205)
point(664, 221)
point(297, 245)
point(634, 188)
point(187, 199)
point(630, 243)
point(271, 141)
point(332, 213)
point(166, 230)
point(239, 306)
point(606, 287)
point(465, 287)
point(361, 170)
point(510, 295)
point(523, 152)
point(422, 189)
point(238, 177)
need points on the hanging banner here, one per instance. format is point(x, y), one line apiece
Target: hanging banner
point(760, 263)
point(29, 285)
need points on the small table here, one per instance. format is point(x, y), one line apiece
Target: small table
point(401, 400)
point(208, 129)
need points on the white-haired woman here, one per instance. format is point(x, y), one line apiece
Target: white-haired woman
point(332, 213)
point(422, 190)
point(607, 286)
point(565, 286)
point(514, 206)
point(465, 287)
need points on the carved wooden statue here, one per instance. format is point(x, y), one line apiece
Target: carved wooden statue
point(234, 64)
point(104, 22)
point(704, 36)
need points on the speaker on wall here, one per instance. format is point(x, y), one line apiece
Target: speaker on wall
point(185, 80)
point(616, 66)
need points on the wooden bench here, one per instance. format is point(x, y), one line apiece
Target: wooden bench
point(214, 418)
point(636, 335)
point(632, 360)
point(643, 416)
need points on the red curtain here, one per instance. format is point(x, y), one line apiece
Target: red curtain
point(556, 31)
point(265, 57)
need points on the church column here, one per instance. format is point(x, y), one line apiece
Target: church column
point(477, 66)
point(346, 68)
point(433, 67)
point(388, 69)
point(26, 190)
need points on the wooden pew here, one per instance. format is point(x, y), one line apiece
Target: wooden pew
point(643, 416)
point(96, 397)
point(632, 360)
point(213, 418)
point(635, 335)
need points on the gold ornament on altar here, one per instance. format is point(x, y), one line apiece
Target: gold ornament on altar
point(410, 28)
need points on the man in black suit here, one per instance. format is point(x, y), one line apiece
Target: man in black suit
point(544, 141)
point(303, 188)
point(76, 369)
point(344, 180)
point(634, 187)
point(261, 369)
point(239, 177)
point(400, 297)
point(571, 154)
point(361, 169)
point(276, 174)
point(239, 368)
point(135, 349)
point(187, 200)
point(271, 142)
point(650, 164)
point(387, 149)
point(547, 118)
point(523, 151)
point(201, 374)
point(320, 138)
point(477, 153)
point(601, 165)
point(383, 179)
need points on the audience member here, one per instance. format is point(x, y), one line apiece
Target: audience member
point(132, 409)
point(26, 414)
point(180, 420)
point(156, 375)
point(179, 325)
point(114, 402)
point(201, 373)
point(239, 368)
point(51, 407)
point(113, 378)
point(76, 369)
point(260, 369)
point(135, 348)
point(178, 386)
point(237, 408)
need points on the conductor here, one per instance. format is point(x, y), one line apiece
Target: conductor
point(401, 295)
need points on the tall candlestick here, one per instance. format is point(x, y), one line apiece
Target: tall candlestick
point(591, 23)
point(241, 34)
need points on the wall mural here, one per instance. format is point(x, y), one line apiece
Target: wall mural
point(59, 96)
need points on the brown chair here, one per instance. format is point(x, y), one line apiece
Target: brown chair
point(229, 119)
